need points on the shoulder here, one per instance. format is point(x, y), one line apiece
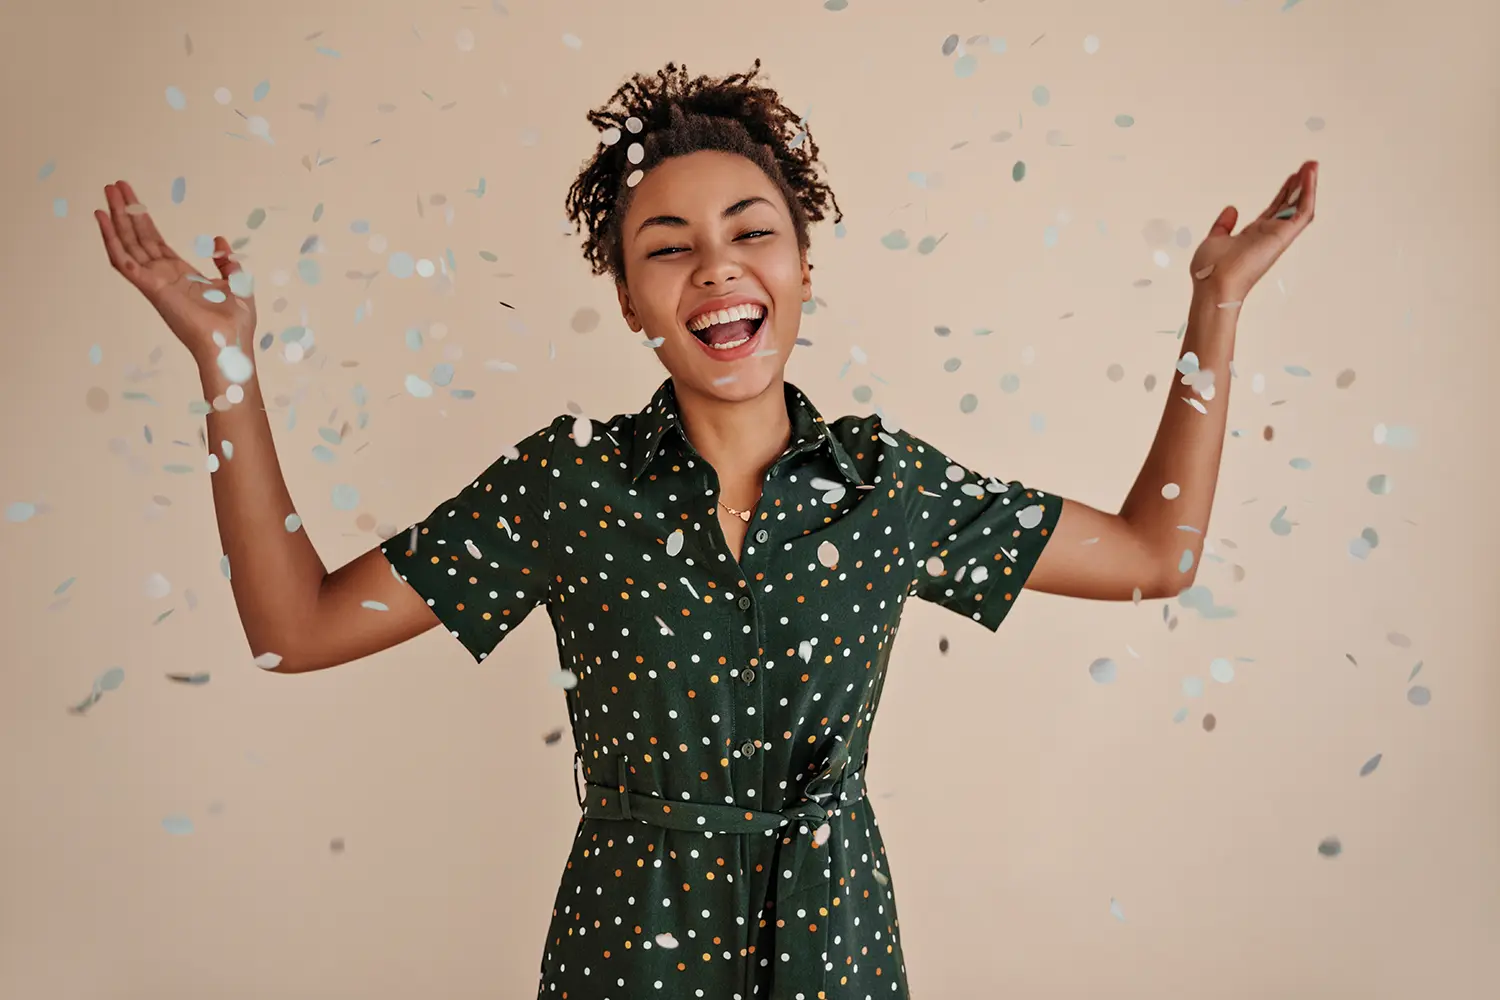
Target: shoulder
point(879, 446)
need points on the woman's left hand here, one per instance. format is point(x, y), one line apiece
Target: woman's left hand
point(1232, 264)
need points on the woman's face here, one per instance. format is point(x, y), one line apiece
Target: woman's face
point(708, 239)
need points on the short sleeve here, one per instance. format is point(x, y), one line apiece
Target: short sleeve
point(479, 560)
point(976, 538)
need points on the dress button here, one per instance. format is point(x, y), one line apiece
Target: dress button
point(748, 675)
point(747, 749)
point(762, 535)
point(744, 604)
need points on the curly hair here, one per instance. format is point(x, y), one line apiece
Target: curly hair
point(681, 115)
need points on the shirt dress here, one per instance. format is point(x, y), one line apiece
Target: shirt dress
point(722, 709)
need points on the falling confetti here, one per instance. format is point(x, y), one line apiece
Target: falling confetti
point(828, 555)
point(268, 661)
point(178, 826)
point(1103, 670)
point(1370, 765)
point(110, 680)
point(196, 680)
point(565, 679)
point(1330, 847)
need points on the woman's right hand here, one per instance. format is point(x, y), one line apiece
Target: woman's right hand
point(171, 284)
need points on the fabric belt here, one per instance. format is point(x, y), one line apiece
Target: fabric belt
point(835, 788)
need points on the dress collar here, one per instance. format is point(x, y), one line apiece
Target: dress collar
point(809, 431)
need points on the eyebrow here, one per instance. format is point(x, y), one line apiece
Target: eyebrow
point(677, 220)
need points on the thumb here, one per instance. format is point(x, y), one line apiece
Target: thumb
point(1224, 224)
point(222, 260)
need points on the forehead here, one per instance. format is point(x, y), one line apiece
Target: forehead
point(698, 187)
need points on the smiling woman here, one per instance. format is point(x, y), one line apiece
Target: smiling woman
point(725, 571)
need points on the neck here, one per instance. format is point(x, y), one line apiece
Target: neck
point(739, 439)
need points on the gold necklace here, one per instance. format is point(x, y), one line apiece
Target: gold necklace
point(743, 515)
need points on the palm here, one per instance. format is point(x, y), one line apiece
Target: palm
point(195, 307)
point(1236, 262)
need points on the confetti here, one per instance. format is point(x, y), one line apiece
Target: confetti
point(176, 99)
point(193, 679)
point(1370, 765)
point(565, 679)
point(828, 555)
point(666, 941)
point(374, 605)
point(674, 542)
point(1103, 670)
point(292, 522)
point(1116, 910)
point(1330, 847)
point(268, 661)
point(1419, 696)
point(178, 826)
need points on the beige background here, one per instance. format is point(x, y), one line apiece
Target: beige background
point(1018, 797)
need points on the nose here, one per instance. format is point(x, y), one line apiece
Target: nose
point(718, 268)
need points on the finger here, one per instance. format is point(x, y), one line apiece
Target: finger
point(124, 225)
point(145, 226)
point(1309, 193)
point(119, 257)
point(1224, 224)
point(1279, 202)
point(226, 264)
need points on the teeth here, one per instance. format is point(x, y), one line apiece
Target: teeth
point(747, 311)
point(731, 345)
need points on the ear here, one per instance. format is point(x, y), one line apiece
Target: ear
point(626, 309)
point(806, 279)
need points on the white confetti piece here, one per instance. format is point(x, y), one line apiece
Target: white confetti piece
point(1116, 910)
point(374, 605)
point(1103, 670)
point(268, 661)
point(583, 431)
point(666, 941)
point(1029, 517)
point(805, 650)
point(157, 586)
point(828, 555)
point(675, 542)
point(235, 364)
point(565, 679)
point(934, 566)
point(821, 835)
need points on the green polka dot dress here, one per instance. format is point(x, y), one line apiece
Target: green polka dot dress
point(723, 708)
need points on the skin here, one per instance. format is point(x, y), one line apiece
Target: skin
point(289, 604)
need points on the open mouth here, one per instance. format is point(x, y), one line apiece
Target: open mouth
point(726, 329)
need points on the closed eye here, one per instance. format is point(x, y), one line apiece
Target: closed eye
point(752, 234)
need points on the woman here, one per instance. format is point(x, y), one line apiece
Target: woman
point(724, 570)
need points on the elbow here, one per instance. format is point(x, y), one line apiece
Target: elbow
point(1169, 585)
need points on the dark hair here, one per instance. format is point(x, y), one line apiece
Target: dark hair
point(682, 115)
